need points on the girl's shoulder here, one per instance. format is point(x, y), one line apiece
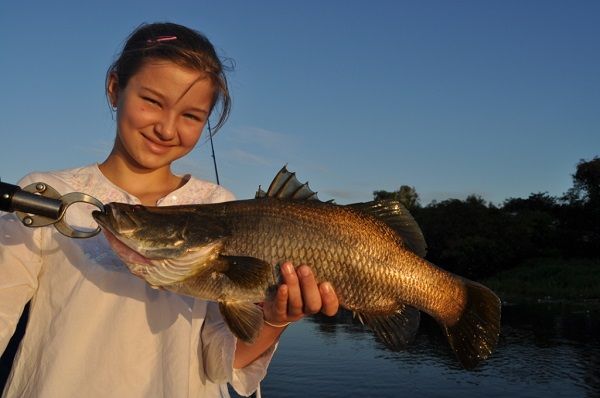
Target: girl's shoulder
point(62, 180)
point(199, 191)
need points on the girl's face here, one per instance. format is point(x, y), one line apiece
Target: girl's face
point(160, 113)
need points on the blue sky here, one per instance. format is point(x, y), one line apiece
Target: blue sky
point(499, 99)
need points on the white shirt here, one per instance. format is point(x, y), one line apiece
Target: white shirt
point(96, 330)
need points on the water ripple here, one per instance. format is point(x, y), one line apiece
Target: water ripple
point(544, 350)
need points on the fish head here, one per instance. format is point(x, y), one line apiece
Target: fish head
point(152, 240)
point(147, 230)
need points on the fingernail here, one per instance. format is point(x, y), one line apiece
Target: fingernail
point(288, 268)
point(304, 271)
point(326, 288)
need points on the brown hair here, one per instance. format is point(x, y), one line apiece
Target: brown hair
point(178, 44)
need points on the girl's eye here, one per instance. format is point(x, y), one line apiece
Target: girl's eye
point(150, 100)
point(192, 117)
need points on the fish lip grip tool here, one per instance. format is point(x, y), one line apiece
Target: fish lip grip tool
point(39, 205)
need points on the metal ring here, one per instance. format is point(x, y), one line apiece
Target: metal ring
point(72, 198)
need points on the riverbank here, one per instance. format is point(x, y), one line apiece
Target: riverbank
point(549, 279)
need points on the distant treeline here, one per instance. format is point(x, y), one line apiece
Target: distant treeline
point(477, 239)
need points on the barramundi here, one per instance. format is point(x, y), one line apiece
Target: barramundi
point(372, 254)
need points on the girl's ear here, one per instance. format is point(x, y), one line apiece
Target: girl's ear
point(112, 88)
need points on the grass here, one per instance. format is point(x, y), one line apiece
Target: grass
point(570, 279)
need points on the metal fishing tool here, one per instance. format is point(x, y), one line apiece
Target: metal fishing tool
point(39, 205)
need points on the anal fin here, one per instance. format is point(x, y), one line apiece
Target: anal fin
point(395, 331)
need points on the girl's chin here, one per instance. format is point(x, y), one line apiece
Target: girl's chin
point(150, 160)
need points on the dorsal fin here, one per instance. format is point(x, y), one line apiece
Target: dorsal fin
point(285, 185)
point(395, 215)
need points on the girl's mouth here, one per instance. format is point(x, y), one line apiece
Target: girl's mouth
point(156, 148)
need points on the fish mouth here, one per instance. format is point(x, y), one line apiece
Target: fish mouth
point(117, 222)
point(102, 217)
point(121, 223)
point(110, 222)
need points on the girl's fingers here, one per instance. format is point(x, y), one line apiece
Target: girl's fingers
point(281, 302)
point(275, 310)
point(294, 302)
point(330, 300)
point(300, 294)
point(311, 297)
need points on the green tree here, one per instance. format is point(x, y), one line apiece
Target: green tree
point(536, 224)
point(586, 182)
point(580, 215)
point(468, 236)
point(406, 195)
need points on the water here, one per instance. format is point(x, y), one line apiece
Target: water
point(545, 350)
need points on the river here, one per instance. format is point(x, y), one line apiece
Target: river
point(546, 349)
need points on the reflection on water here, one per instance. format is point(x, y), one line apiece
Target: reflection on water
point(546, 349)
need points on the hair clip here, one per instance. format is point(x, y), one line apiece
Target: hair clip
point(160, 39)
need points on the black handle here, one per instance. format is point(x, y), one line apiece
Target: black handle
point(6, 194)
point(13, 198)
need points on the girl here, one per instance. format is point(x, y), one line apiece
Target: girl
point(94, 329)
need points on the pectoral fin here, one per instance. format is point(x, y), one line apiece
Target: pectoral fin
point(245, 272)
point(243, 277)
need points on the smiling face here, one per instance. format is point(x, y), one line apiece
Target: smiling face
point(160, 113)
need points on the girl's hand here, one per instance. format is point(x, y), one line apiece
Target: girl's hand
point(299, 295)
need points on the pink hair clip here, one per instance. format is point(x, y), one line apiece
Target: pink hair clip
point(160, 39)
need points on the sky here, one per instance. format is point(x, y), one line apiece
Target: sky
point(494, 98)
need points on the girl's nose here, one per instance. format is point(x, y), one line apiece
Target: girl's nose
point(165, 128)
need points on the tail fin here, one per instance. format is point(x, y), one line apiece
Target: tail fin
point(475, 335)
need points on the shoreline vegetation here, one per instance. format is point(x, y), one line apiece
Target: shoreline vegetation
point(549, 279)
point(538, 248)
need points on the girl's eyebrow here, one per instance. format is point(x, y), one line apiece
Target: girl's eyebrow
point(153, 91)
point(199, 110)
point(159, 94)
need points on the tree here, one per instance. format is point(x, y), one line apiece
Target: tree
point(540, 201)
point(406, 195)
point(586, 182)
point(468, 237)
point(580, 217)
point(536, 229)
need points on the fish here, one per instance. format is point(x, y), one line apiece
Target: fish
point(372, 253)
